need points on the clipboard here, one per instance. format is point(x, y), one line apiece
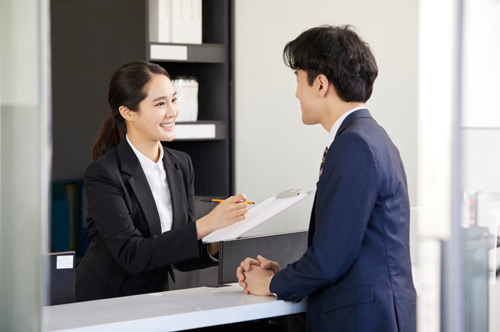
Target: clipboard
point(258, 214)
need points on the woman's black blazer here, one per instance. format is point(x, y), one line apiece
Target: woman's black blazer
point(128, 253)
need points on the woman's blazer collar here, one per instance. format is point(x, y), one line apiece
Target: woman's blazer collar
point(177, 187)
point(133, 174)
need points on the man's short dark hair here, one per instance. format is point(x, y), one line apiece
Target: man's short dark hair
point(338, 53)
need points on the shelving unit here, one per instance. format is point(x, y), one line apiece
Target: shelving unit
point(210, 64)
point(90, 39)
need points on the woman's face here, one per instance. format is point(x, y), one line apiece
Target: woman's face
point(155, 117)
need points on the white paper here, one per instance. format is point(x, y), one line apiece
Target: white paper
point(255, 216)
point(64, 262)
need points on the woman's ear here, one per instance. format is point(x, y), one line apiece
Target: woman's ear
point(323, 84)
point(126, 113)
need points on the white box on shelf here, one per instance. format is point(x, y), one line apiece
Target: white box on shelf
point(168, 52)
point(194, 131)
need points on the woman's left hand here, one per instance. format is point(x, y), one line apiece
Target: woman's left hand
point(213, 249)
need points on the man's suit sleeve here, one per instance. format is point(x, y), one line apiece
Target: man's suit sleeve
point(112, 218)
point(345, 197)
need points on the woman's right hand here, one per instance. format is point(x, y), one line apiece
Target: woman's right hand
point(226, 213)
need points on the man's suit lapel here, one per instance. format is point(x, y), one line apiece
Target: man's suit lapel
point(176, 186)
point(130, 166)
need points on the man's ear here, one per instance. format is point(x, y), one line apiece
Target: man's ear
point(126, 113)
point(323, 84)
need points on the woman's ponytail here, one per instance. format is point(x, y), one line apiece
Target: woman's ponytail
point(112, 132)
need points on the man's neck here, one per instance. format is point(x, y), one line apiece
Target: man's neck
point(336, 110)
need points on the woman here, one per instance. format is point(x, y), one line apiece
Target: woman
point(141, 196)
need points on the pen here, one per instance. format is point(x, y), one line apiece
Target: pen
point(220, 200)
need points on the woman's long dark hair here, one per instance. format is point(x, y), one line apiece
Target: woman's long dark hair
point(126, 88)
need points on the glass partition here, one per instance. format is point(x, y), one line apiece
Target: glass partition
point(480, 133)
point(24, 161)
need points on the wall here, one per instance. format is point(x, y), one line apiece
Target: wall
point(274, 150)
point(85, 53)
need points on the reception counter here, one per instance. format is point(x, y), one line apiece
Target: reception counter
point(167, 311)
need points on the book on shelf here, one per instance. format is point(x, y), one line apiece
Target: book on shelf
point(175, 21)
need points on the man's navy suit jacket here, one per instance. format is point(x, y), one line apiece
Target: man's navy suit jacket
point(356, 270)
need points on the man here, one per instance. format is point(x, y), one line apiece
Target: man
point(356, 271)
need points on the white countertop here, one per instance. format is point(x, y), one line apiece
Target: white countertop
point(167, 311)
